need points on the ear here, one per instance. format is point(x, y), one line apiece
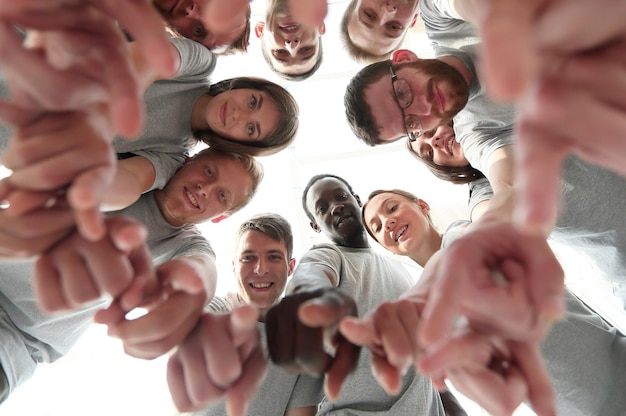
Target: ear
point(315, 227)
point(258, 29)
point(292, 266)
point(219, 218)
point(414, 20)
point(322, 28)
point(403, 55)
point(358, 200)
point(424, 206)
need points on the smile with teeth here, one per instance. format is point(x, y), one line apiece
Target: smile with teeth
point(450, 145)
point(400, 233)
point(260, 285)
point(192, 199)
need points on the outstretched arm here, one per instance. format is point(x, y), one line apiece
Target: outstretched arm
point(305, 321)
point(221, 357)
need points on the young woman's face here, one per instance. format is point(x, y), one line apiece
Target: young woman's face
point(243, 115)
point(440, 146)
point(398, 224)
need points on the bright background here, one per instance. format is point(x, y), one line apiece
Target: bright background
point(97, 378)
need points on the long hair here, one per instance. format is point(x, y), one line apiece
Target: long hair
point(286, 128)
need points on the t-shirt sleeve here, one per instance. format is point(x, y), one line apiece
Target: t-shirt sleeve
point(189, 242)
point(196, 60)
point(324, 254)
point(165, 164)
point(480, 190)
point(454, 231)
point(219, 305)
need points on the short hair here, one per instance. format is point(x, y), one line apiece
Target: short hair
point(357, 53)
point(455, 174)
point(272, 225)
point(282, 136)
point(359, 112)
point(296, 77)
point(312, 182)
point(252, 167)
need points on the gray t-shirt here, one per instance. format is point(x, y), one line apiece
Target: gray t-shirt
point(370, 278)
point(30, 336)
point(167, 136)
point(584, 356)
point(482, 118)
point(279, 391)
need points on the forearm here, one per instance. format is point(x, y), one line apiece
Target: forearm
point(205, 269)
point(309, 277)
point(133, 177)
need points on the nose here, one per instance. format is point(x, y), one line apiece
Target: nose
point(387, 12)
point(192, 10)
point(336, 209)
point(291, 45)
point(434, 141)
point(389, 223)
point(203, 190)
point(261, 267)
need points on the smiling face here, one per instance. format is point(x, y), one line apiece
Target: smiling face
point(440, 146)
point(397, 223)
point(188, 19)
point(261, 267)
point(379, 26)
point(205, 187)
point(242, 114)
point(438, 93)
point(336, 211)
point(290, 47)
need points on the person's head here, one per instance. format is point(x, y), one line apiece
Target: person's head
point(211, 185)
point(334, 209)
point(185, 18)
point(403, 97)
point(263, 260)
point(250, 115)
point(372, 29)
point(398, 220)
point(291, 50)
point(443, 155)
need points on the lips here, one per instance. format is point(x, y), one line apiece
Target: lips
point(223, 113)
point(400, 233)
point(261, 285)
point(342, 219)
point(289, 28)
point(440, 99)
point(191, 199)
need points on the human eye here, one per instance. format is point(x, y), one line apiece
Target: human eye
point(198, 31)
point(253, 102)
point(209, 171)
point(222, 196)
point(343, 196)
point(251, 129)
point(393, 208)
point(396, 27)
point(376, 227)
point(321, 209)
point(370, 15)
point(307, 49)
point(246, 258)
point(280, 52)
point(275, 257)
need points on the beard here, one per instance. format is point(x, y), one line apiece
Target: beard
point(442, 73)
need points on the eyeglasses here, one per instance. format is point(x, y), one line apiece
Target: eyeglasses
point(404, 98)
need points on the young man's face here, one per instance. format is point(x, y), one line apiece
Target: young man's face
point(336, 211)
point(379, 26)
point(291, 48)
point(261, 267)
point(206, 187)
point(438, 92)
point(186, 16)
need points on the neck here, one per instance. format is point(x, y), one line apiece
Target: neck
point(198, 113)
point(425, 251)
point(353, 240)
point(459, 65)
